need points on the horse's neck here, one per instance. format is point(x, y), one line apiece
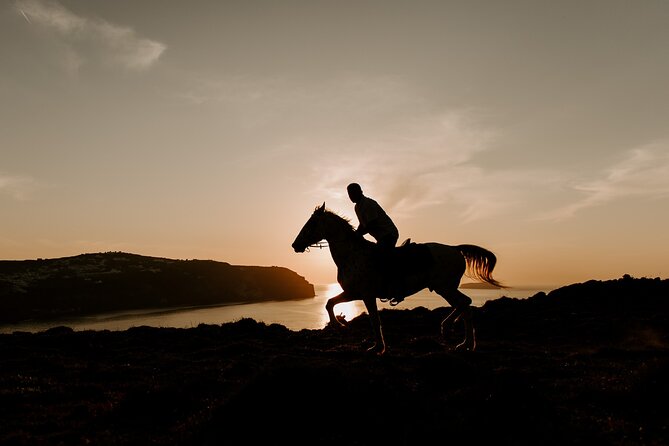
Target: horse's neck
point(342, 252)
point(344, 246)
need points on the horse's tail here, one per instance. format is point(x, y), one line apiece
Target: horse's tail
point(480, 263)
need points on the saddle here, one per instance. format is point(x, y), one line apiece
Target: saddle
point(410, 257)
point(400, 263)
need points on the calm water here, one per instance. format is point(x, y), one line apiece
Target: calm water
point(296, 315)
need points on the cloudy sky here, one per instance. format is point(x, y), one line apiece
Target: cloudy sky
point(211, 129)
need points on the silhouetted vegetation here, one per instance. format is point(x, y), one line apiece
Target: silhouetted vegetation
point(568, 367)
point(116, 281)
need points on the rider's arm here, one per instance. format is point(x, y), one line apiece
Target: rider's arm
point(368, 213)
point(365, 216)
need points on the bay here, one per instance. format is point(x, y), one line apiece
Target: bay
point(295, 315)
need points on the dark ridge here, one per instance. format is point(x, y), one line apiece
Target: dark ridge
point(117, 281)
point(554, 369)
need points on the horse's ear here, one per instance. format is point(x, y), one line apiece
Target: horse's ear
point(322, 208)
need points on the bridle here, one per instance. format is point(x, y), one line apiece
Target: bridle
point(319, 245)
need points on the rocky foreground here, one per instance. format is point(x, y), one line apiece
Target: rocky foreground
point(586, 364)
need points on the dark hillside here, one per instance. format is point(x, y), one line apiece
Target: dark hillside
point(556, 369)
point(93, 283)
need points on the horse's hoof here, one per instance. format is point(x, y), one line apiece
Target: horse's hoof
point(446, 329)
point(335, 326)
point(337, 322)
point(367, 344)
point(378, 349)
point(465, 347)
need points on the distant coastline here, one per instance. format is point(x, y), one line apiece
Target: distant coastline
point(478, 286)
point(89, 284)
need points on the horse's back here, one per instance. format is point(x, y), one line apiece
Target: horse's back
point(412, 257)
point(433, 256)
point(449, 264)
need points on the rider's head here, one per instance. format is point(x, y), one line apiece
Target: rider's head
point(354, 192)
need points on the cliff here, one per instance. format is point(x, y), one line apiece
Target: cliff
point(103, 282)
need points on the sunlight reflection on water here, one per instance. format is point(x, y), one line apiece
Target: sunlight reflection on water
point(295, 315)
point(348, 310)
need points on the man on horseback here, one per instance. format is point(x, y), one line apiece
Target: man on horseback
point(372, 218)
point(361, 274)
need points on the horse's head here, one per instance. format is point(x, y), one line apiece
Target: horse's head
point(312, 231)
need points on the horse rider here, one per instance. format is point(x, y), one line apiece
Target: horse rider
point(372, 218)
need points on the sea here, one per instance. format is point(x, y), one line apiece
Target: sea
point(293, 314)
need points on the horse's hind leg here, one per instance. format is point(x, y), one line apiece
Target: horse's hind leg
point(459, 301)
point(461, 304)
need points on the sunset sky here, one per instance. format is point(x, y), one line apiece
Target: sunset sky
point(212, 129)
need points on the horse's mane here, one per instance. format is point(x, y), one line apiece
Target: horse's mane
point(344, 221)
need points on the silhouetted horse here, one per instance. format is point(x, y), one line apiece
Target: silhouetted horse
point(367, 271)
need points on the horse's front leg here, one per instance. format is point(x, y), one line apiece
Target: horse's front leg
point(330, 304)
point(379, 346)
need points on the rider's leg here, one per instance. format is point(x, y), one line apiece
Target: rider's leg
point(393, 284)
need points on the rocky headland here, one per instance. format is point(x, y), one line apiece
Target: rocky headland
point(116, 281)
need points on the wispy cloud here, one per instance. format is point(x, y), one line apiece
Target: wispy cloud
point(264, 99)
point(422, 161)
point(411, 154)
point(17, 187)
point(642, 173)
point(86, 39)
point(378, 131)
point(408, 175)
